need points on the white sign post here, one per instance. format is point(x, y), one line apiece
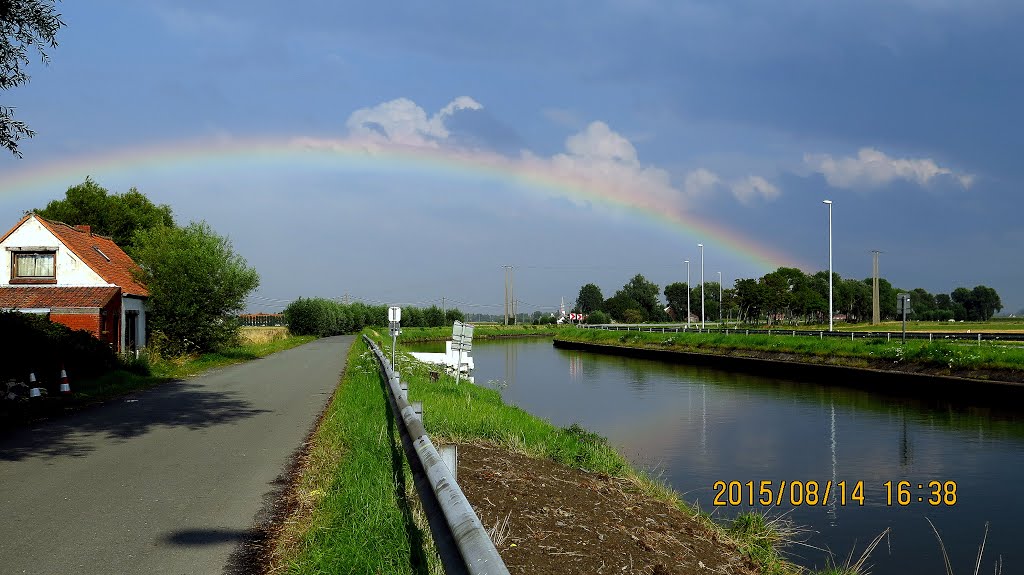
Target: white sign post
point(462, 340)
point(395, 323)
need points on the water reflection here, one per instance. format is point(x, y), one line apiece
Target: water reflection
point(696, 426)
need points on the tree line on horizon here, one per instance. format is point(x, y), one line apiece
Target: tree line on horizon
point(786, 295)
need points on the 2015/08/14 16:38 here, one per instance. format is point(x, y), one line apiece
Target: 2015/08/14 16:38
point(842, 493)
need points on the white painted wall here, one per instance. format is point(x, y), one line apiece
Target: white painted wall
point(70, 270)
point(139, 305)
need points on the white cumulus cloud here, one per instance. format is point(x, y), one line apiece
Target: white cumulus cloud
point(402, 121)
point(597, 157)
point(751, 187)
point(872, 168)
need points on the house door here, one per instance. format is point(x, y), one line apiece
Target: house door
point(131, 330)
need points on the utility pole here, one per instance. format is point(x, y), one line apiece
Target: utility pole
point(512, 292)
point(444, 312)
point(508, 285)
point(876, 315)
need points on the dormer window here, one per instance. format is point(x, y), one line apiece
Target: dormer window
point(34, 266)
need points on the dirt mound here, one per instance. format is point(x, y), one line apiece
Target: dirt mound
point(560, 520)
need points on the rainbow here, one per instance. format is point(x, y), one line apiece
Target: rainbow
point(533, 173)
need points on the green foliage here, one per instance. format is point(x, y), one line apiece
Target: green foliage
point(323, 317)
point(358, 522)
point(675, 294)
point(617, 305)
point(644, 293)
point(453, 315)
point(633, 316)
point(119, 216)
point(32, 343)
point(590, 299)
point(598, 317)
point(197, 286)
point(25, 26)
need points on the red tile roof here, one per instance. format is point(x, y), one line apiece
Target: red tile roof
point(117, 270)
point(21, 297)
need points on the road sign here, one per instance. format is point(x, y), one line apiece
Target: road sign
point(394, 313)
point(903, 303)
point(462, 336)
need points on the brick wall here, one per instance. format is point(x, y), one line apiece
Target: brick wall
point(88, 322)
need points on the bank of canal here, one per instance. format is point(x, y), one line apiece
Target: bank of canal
point(699, 425)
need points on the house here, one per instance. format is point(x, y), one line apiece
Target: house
point(79, 279)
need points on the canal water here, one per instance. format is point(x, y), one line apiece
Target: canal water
point(696, 426)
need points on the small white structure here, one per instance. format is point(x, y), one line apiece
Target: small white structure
point(448, 359)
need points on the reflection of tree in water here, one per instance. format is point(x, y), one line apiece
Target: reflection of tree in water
point(639, 377)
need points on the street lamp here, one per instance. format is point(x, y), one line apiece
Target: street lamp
point(701, 246)
point(719, 300)
point(829, 202)
point(687, 262)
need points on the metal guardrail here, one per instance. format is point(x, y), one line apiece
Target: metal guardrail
point(888, 335)
point(461, 539)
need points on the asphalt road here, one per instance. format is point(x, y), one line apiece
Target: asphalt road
point(169, 480)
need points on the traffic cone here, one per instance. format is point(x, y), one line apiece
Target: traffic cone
point(33, 390)
point(65, 387)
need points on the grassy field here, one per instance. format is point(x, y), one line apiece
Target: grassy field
point(1005, 324)
point(249, 334)
point(859, 353)
point(356, 512)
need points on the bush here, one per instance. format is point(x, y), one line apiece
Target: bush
point(34, 344)
point(597, 317)
point(323, 317)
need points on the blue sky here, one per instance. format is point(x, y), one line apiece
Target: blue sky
point(740, 115)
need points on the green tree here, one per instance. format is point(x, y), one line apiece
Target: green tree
point(986, 302)
point(644, 293)
point(617, 305)
point(116, 215)
point(453, 315)
point(922, 304)
point(598, 317)
point(962, 303)
point(750, 297)
point(632, 315)
point(25, 26)
point(433, 316)
point(590, 299)
point(675, 294)
point(197, 285)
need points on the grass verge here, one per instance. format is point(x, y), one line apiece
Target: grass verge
point(952, 357)
point(351, 499)
point(188, 366)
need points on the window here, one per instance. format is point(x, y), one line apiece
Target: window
point(34, 266)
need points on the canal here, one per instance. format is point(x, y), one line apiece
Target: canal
point(696, 426)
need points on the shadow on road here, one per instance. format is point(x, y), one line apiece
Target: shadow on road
point(175, 404)
point(206, 536)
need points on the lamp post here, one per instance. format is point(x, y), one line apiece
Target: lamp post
point(719, 300)
point(829, 202)
point(701, 246)
point(687, 262)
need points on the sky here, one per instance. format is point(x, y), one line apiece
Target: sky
point(403, 152)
